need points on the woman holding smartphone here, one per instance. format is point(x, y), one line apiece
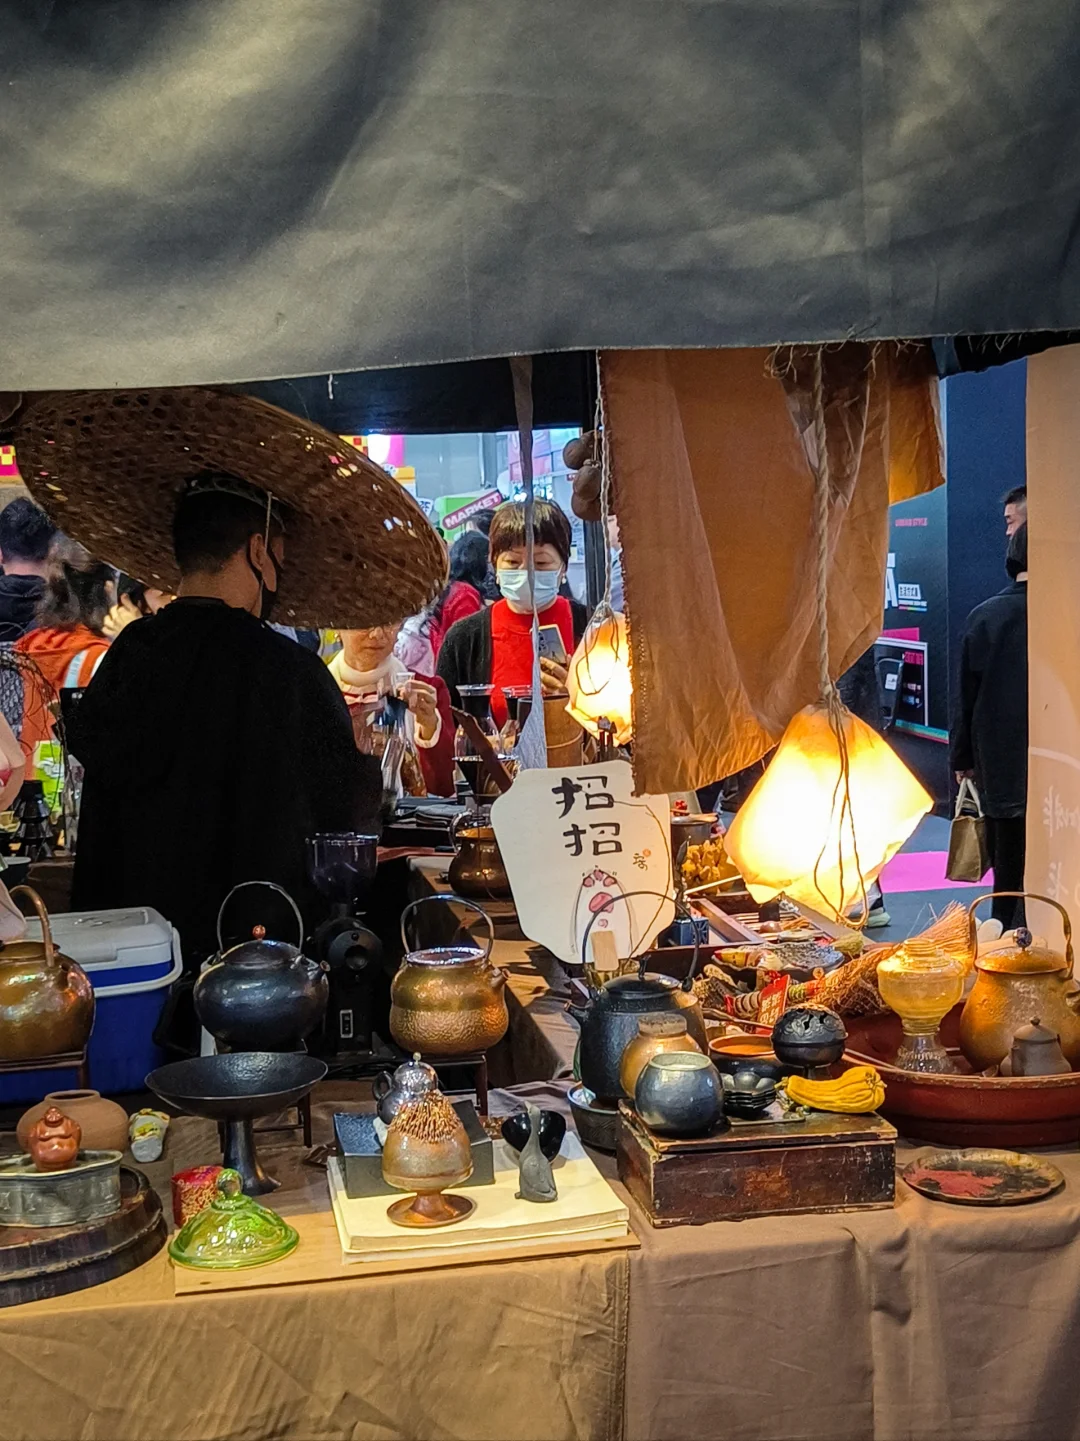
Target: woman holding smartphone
point(494, 646)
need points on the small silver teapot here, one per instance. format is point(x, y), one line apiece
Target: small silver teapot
point(410, 1081)
point(1036, 1051)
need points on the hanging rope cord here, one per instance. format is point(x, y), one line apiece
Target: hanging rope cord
point(830, 697)
point(604, 609)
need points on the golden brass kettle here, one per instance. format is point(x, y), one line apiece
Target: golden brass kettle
point(448, 1000)
point(1016, 983)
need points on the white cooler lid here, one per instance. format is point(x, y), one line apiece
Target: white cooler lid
point(98, 937)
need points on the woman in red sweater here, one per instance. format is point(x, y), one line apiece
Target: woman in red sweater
point(494, 646)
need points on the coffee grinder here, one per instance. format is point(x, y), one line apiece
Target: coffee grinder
point(342, 866)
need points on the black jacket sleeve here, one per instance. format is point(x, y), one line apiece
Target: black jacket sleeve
point(961, 751)
point(465, 654)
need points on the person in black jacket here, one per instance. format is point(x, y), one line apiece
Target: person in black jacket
point(494, 646)
point(26, 537)
point(990, 733)
point(212, 746)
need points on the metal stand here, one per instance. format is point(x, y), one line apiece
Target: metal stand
point(240, 1155)
point(302, 1122)
point(70, 1061)
point(477, 1061)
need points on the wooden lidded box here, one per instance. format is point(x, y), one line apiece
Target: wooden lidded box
point(825, 1163)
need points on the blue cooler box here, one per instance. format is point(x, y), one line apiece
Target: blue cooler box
point(132, 958)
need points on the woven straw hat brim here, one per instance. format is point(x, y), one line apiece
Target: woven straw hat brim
point(108, 467)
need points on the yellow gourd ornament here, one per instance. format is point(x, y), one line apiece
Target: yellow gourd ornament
point(858, 1090)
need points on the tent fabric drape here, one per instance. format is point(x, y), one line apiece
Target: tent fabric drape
point(714, 495)
point(231, 190)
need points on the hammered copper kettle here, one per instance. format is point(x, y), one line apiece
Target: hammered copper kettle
point(1013, 985)
point(46, 999)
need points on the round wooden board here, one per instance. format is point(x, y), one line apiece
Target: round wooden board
point(40, 1262)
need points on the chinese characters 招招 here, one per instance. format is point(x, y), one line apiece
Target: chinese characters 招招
point(602, 836)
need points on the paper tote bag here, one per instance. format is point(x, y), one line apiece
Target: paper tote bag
point(969, 859)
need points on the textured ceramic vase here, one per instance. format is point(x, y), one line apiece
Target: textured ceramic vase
point(104, 1124)
point(678, 1094)
point(426, 1150)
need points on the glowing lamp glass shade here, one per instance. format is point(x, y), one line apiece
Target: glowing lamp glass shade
point(793, 815)
point(599, 680)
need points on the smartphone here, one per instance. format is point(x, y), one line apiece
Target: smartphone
point(551, 644)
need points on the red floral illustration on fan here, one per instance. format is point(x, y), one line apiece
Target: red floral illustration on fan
point(597, 897)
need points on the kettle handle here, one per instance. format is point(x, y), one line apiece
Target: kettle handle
point(270, 886)
point(43, 916)
point(461, 901)
point(661, 896)
point(1066, 924)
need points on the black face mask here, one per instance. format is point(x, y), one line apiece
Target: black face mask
point(268, 598)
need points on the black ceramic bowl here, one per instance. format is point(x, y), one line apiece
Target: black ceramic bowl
point(515, 1131)
point(595, 1122)
point(748, 1105)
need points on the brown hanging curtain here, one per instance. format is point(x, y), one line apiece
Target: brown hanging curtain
point(714, 495)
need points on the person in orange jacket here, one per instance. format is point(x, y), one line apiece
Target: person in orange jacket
point(68, 641)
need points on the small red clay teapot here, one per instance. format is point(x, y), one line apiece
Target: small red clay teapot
point(54, 1141)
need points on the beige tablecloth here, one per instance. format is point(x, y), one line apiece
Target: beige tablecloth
point(529, 1349)
point(929, 1322)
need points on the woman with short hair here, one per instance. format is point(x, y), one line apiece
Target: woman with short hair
point(494, 646)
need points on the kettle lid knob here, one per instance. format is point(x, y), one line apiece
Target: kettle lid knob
point(258, 932)
point(1023, 937)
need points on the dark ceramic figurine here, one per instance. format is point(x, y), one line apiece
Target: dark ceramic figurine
point(535, 1177)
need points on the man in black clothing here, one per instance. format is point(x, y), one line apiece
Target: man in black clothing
point(990, 735)
point(26, 535)
point(212, 746)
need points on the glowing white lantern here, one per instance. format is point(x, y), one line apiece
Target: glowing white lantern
point(806, 833)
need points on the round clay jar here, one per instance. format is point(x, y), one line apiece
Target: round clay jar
point(104, 1124)
point(656, 1034)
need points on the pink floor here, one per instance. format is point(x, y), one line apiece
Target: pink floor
point(919, 871)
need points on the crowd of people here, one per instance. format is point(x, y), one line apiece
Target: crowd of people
point(213, 745)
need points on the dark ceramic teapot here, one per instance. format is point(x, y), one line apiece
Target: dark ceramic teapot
point(609, 1021)
point(261, 995)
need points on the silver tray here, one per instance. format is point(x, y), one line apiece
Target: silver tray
point(86, 1191)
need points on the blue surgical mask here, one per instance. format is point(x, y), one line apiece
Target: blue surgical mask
point(514, 585)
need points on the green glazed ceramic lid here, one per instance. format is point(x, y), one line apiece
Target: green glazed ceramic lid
point(232, 1232)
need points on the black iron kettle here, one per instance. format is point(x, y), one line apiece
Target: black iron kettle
point(609, 1021)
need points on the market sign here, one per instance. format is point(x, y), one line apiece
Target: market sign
point(575, 841)
point(9, 471)
point(488, 501)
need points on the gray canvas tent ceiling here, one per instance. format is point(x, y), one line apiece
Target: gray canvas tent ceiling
point(227, 190)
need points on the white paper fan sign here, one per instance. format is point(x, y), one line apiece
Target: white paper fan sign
point(572, 841)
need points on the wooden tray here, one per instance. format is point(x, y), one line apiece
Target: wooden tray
point(1015, 1112)
point(40, 1262)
